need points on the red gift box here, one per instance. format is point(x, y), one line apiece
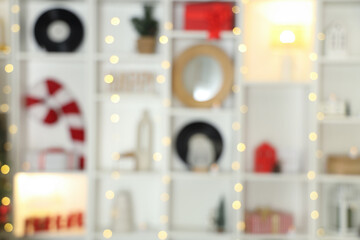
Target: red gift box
point(214, 17)
point(265, 221)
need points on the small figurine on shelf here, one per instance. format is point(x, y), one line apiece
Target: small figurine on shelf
point(336, 41)
point(147, 27)
point(219, 219)
point(122, 213)
point(265, 159)
point(201, 153)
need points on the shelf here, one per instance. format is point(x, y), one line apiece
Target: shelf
point(275, 236)
point(277, 84)
point(201, 176)
point(200, 112)
point(4, 56)
point(130, 235)
point(56, 236)
point(129, 98)
point(194, 34)
point(46, 56)
point(339, 178)
point(345, 60)
point(199, 235)
point(273, 177)
point(126, 174)
point(340, 120)
point(136, 58)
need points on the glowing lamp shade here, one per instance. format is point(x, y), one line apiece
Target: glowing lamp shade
point(287, 36)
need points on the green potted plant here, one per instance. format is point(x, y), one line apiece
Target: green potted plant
point(219, 218)
point(147, 28)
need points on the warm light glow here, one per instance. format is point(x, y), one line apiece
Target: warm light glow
point(162, 235)
point(8, 227)
point(244, 109)
point(354, 151)
point(9, 68)
point(109, 39)
point(166, 102)
point(13, 129)
point(7, 146)
point(164, 197)
point(238, 187)
point(115, 98)
point(244, 70)
point(321, 36)
point(168, 25)
point(242, 48)
point(166, 179)
point(115, 156)
point(241, 147)
point(319, 154)
point(235, 88)
point(5, 169)
point(157, 157)
point(314, 195)
point(4, 108)
point(115, 21)
point(312, 97)
point(236, 126)
point(115, 175)
point(314, 76)
point(15, 8)
point(160, 79)
point(287, 36)
point(311, 175)
point(313, 57)
point(109, 195)
point(236, 9)
point(6, 89)
point(109, 78)
point(240, 226)
point(236, 31)
point(245, 1)
point(107, 233)
point(164, 219)
point(288, 12)
point(15, 28)
point(320, 116)
point(314, 214)
point(114, 59)
point(235, 166)
point(165, 64)
point(313, 136)
point(163, 39)
point(115, 118)
point(6, 49)
point(166, 141)
point(5, 201)
point(320, 232)
point(236, 205)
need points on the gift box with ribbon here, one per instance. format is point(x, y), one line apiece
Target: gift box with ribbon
point(264, 221)
point(214, 17)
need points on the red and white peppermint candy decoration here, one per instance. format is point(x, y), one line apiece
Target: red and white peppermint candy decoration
point(49, 100)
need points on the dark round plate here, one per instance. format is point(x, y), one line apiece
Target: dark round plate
point(189, 130)
point(74, 39)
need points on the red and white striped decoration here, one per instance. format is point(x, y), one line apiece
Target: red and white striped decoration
point(49, 100)
point(274, 222)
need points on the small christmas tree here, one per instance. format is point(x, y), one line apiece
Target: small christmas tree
point(220, 216)
point(146, 26)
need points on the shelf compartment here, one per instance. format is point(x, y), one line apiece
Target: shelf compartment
point(181, 111)
point(201, 176)
point(277, 84)
point(339, 178)
point(273, 177)
point(131, 235)
point(340, 120)
point(56, 57)
point(198, 34)
point(275, 236)
point(189, 235)
point(345, 60)
point(128, 175)
point(126, 58)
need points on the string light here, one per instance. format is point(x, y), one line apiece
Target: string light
point(166, 141)
point(319, 154)
point(109, 39)
point(109, 195)
point(236, 31)
point(115, 118)
point(321, 36)
point(115, 156)
point(311, 175)
point(235, 9)
point(165, 64)
point(240, 226)
point(5, 201)
point(313, 136)
point(114, 59)
point(157, 157)
point(312, 97)
point(163, 39)
point(115, 175)
point(236, 126)
point(108, 78)
point(320, 232)
point(242, 48)
point(9, 68)
point(313, 57)
point(164, 219)
point(238, 187)
point(5, 169)
point(235, 88)
point(162, 235)
point(244, 70)
point(115, 21)
point(236, 205)
point(107, 233)
point(13, 129)
point(4, 108)
point(314, 214)
point(354, 151)
point(15, 28)
point(320, 116)
point(8, 227)
point(164, 197)
point(245, 1)
point(235, 166)
point(244, 109)
point(166, 179)
point(115, 98)
point(314, 195)
point(160, 79)
point(241, 147)
point(168, 26)
point(6, 89)
point(314, 76)
point(15, 8)
point(166, 102)
point(7, 146)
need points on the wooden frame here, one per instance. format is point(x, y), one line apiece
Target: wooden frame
point(189, 54)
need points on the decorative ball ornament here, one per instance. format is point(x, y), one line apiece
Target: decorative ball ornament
point(48, 101)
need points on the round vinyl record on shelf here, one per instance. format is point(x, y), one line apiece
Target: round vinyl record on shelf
point(192, 130)
point(59, 30)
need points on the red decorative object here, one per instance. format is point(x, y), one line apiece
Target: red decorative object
point(264, 221)
point(214, 17)
point(265, 158)
point(48, 101)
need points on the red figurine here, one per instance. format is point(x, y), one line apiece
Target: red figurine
point(265, 158)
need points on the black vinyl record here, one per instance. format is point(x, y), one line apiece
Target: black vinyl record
point(71, 21)
point(189, 130)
